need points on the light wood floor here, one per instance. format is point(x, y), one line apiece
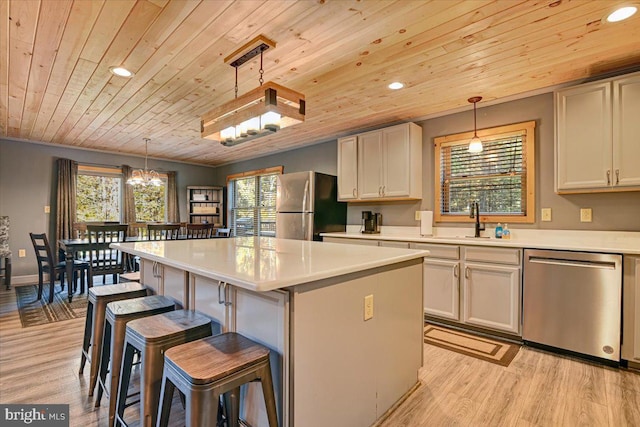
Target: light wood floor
point(40, 365)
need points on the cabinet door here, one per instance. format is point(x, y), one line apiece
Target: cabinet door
point(626, 132)
point(175, 285)
point(441, 288)
point(583, 137)
point(348, 168)
point(209, 297)
point(264, 318)
point(149, 276)
point(370, 165)
point(491, 297)
point(396, 151)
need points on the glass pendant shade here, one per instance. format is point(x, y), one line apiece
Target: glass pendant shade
point(475, 145)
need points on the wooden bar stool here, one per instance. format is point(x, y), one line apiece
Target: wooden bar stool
point(204, 370)
point(119, 313)
point(152, 336)
point(133, 276)
point(99, 297)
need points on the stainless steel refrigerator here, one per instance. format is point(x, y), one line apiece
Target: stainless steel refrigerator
point(307, 205)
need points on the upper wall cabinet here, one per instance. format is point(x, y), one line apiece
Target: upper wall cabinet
point(598, 136)
point(385, 164)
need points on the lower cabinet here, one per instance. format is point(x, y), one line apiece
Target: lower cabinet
point(260, 316)
point(165, 280)
point(631, 309)
point(473, 285)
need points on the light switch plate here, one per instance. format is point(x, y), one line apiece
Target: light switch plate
point(22, 253)
point(368, 307)
point(417, 216)
point(546, 214)
point(47, 209)
point(585, 215)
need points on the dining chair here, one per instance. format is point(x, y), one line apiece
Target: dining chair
point(46, 264)
point(5, 251)
point(223, 232)
point(163, 231)
point(104, 260)
point(199, 231)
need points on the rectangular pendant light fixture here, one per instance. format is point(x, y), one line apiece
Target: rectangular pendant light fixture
point(262, 111)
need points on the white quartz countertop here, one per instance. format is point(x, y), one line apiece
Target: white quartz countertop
point(572, 240)
point(267, 263)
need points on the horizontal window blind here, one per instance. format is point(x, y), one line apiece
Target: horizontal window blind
point(496, 177)
point(253, 205)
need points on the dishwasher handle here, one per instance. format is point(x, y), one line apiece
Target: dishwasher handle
point(573, 263)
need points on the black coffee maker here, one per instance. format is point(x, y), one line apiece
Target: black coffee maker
point(371, 222)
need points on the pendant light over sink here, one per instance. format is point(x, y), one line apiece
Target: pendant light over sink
point(475, 145)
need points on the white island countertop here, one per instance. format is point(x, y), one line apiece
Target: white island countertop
point(266, 263)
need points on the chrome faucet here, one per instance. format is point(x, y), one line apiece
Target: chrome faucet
point(475, 210)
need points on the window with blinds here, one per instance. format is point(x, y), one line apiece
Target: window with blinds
point(500, 178)
point(252, 203)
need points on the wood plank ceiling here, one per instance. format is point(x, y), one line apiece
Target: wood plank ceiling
point(55, 84)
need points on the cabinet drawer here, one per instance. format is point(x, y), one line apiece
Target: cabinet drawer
point(390, 244)
point(438, 251)
point(348, 241)
point(493, 255)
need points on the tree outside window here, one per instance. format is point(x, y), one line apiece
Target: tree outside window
point(151, 202)
point(98, 198)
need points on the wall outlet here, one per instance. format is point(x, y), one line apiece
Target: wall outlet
point(22, 253)
point(546, 214)
point(368, 307)
point(417, 216)
point(47, 209)
point(585, 215)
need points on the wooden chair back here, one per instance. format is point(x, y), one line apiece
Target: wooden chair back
point(79, 230)
point(199, 231)
point(138, 230)
point(103, 259)
point(163, 231)
point(44, 255)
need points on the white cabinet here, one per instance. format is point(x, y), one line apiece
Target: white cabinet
point(388, 164)
point(165, 280)
point(598, 136)
point(348, 168)
point(473, 285)
point(631, 309)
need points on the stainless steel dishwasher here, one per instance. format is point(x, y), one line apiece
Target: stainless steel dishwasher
point(572, 301)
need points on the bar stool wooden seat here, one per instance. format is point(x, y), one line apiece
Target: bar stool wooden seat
point(133, 276)
point(99, 297)
point(152, 336)
point(119, 313)
point(204, 370)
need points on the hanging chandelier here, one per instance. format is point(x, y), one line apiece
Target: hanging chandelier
point(145, 177)
point(475, 145)
point(260, 112)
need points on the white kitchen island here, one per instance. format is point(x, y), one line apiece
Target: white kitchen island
point(306, 301)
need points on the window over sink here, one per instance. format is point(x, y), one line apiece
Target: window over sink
point(501, 178)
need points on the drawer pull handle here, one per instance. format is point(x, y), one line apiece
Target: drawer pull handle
point(608, 177)
point(617, 176)
point(221, 285)
point(456, 270)
point(466, 272)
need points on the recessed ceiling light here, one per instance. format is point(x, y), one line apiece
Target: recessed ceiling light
point(622, 13)
point(121, 71)
point(396, 85)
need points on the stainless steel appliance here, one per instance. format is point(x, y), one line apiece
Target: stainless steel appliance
point(371, 222)
point(307, 205)
point(572, 301)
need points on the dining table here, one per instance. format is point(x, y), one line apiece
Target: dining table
point(68, 248)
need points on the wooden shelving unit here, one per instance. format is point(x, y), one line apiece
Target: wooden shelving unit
point(206, 204)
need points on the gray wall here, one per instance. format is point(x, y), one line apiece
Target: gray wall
point(612, 211)
point(28, 183)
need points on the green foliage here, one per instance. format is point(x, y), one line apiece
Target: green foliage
point(150, 203)
point(98, 198)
